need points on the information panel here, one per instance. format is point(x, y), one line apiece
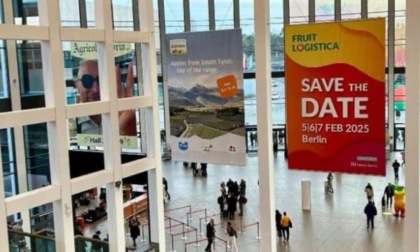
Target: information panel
point(335, 90)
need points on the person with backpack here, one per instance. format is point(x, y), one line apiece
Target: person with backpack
point(286, 224)
point(232, 236)
point(371, 212)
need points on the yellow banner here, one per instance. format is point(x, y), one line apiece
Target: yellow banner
point(360, 43)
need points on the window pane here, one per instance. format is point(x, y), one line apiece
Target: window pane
point(350, 9)
point(324, 10)
point(174, 16)
point(26, 12)
point(90, 13)
point(378, 8)
point(30, 68)
point(4, 93)
point(299, 11)
point(69, 13)
point(122, 11)
point(224, 14)
point(37, 156)
point(199, 10)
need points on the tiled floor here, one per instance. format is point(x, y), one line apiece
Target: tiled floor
point(336, 222)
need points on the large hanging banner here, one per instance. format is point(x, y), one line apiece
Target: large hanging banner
point(335, 91)
point(206, 97)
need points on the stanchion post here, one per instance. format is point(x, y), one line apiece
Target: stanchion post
point(142, 233)
point(242, 227)
point(196, 238)
point(258, 231)
point(183, 232)
point(172, 244)
point(188, 221)
point(205, 214)
point(170, 226)
point(199, 223)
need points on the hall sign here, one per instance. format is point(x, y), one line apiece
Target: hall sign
point(335, 91)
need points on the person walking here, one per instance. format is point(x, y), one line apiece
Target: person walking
point(370, 211)
point(165, 185)
point(232, 236)
point(369, 191)
point(286, 224)
point(278, 223)
point(329, 182)
point(396, 165)
point(210, 233)
point(389, 193)
point(134, 226)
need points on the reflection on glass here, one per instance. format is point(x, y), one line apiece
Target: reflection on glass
point(324, 11)
point(26, 12)
point(30, 67)
point(400, 41)
point(4, 93)
point(122, 12)
point(8, 162)
point(37, 155)
point(69, 13)
point(399, 98)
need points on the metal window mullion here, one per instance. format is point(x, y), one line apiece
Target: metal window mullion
point(391, 63)
point(337, 10)
point(163, 50)
point(311, 11)
point(236, 14)
point(364, 9)
point(83, 14)
point(155, 194)
point(187, 16)
point(212, 19)
point(286, 13)
point(4, 239)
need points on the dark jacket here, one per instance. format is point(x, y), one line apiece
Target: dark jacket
point(210, 230)
point(389, 191)
point(370, 209)
point(278, 220)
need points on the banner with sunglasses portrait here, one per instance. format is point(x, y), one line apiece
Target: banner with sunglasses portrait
point(206, 97)
point(87, 131)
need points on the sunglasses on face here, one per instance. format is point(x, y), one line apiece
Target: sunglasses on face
point(88, 80)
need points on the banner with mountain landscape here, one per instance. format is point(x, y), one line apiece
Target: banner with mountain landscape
point(206, 98)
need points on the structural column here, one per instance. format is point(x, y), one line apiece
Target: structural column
point(265, 139)
point(412, 225)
